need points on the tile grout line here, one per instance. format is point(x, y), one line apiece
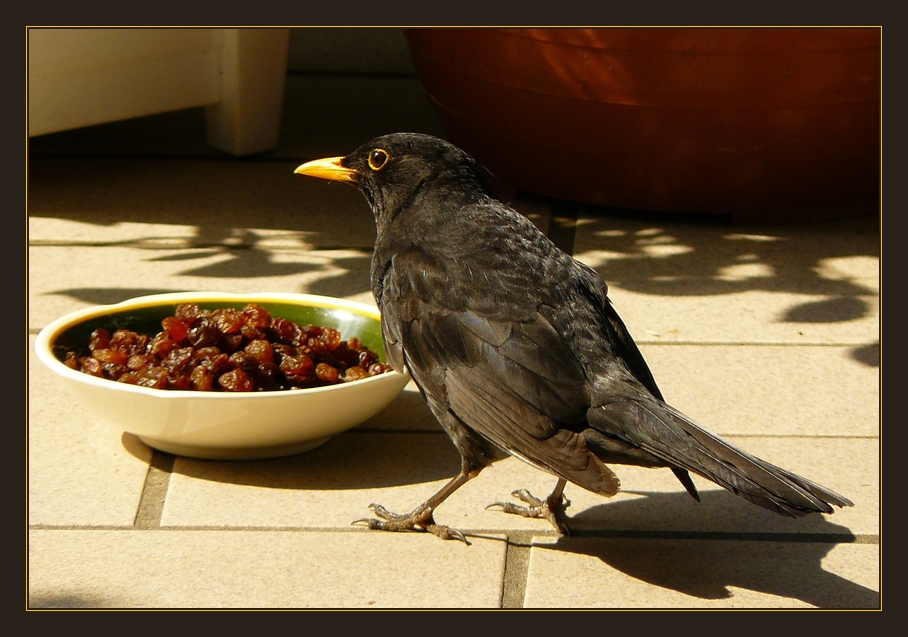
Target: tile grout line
point(516, 569)
point(515, 540)
point(154, 491)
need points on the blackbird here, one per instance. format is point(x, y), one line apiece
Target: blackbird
point(516, 347)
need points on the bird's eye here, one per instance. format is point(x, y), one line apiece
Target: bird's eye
point(378, 158)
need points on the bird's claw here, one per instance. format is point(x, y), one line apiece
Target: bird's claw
point(446, 533)
point(421, 519)
point(551, 509)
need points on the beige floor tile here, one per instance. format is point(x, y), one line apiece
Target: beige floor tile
point(147, 203)
point(771, 390)
point(147, 235)
point(221, 199)
point(332, 486)
point(62, 279)
point(91, 254)
point(747, 317)
point(260, 569)
point(742, 390)
point(799, 284)
point(80, 472)
point(768, 335)
point(668, 573)
point(638, 246)
point(653, 499)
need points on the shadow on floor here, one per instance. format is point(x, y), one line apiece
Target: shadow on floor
point(347, 461)
point(709, 565)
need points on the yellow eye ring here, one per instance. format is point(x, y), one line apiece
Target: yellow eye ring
point(378, 158)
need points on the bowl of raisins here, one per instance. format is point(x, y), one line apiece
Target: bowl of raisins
point(224, 376)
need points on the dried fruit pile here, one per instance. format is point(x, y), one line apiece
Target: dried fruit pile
point(228, 350)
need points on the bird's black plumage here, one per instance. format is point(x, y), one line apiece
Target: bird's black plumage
point(516, 345)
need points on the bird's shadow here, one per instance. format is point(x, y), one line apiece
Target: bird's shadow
point(703, 550)
point(710, 564)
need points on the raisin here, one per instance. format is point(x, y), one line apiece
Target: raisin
point(154, 377)
point(91, 366)
point(216, 363)
point(256, 316)
point(326, 373)
point(354, 373)
point(202, 379)
point(241, 360)
point(228, 320)
point(180, 381)
point(379, 368)
point(188, 312)
point(235, 380)
point(227, 350)
point(260, 350)
point(110, 356)
point(175, 327)
point(329, 338)
point(161, 345)
point(72, 360)
point(100, 339)
point(231, 342)
point(203, 333)
point(180, 360)
point(113, 370)
point(300, 365)
point(367, 358)
point(286, 331)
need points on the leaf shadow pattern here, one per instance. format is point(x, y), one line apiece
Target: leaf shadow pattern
point(830, 269)
point(867, 354)
point(709, 565)
point(236, 254)
point(110, 296)
point(247, 256)
point(679, 256)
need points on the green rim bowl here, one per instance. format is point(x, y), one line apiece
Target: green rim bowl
point(224, 425)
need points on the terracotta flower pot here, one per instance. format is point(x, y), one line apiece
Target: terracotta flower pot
point(764, 124)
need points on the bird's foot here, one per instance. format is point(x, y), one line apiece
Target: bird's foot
point(420, 519)
point(551, 509)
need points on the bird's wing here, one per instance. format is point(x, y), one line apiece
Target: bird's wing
point(511, 380)
point(615, 332)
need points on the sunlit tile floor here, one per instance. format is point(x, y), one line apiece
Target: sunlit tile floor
point(767, 335)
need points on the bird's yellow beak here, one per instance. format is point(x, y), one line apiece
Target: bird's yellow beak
point(329, 168)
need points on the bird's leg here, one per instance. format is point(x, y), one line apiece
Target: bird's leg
point(551, 509)
point(421, 518)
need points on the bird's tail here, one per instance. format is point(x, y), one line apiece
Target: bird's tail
point(683, 444)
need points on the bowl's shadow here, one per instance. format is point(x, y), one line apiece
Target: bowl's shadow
point(372, 455)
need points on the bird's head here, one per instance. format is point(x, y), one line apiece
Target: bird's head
point(390, 170)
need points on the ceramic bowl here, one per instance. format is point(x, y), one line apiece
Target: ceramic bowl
point(224, 425)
